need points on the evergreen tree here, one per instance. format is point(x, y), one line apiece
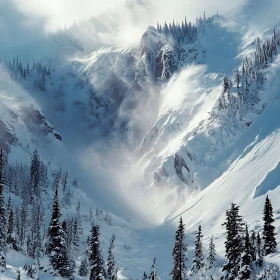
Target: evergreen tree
point(154, 274)
point(269, 240)
point(35, 176)
point(10, 230)
point(253, 242)
point(246, 258)
point(145, 276)
point(211, 259)
point(3, 219)
point(76, 239)
point(83, 270)
point(178, 271)
point(35, 225)
point(56, 248)
point(95, 258)
point(234, 242)
point(198, 253)
point(112, 269)
point(259, 251)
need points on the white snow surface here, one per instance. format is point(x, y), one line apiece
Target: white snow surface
point(239, 164)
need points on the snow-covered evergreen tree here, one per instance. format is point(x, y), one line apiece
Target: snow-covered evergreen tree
point(246, 258)
point(269, 240)
point(259, 251)
point(145, 276)
point(154, 274)
point(95, 257)
point(35, 177)
point(253, 244)
point(83, 270)
point(112, 269)
point(179, 267)
point(10, 225)
point(234, 242)
point(211, 259)
point(3, 218)
point(197, 262)
point(76, 240)
point(56, 248)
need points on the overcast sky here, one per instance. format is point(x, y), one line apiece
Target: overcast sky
point(60, 12)
point(23, 20)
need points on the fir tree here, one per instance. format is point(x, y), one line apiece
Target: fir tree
point(178, 271)
point(95, 258)
point(83, 270)
point(234, 245)
point(10, 230)
point(259, 251)
point(35, 176)
point(111, 262)
point(269, 240)
point(56, 245)
point(211, 259)
point(198, 253)
point(3, 219)
point(253, 245)
point(145, 276)
point(76, 239)
point(154, 274)
point(246, 258)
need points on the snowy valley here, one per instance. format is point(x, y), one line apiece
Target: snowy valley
point(156, 159)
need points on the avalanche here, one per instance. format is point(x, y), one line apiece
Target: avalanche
point(134, 138)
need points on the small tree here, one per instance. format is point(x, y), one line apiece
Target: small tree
point(259, 251)
point(246, 259)
point(154, 274)
point(198, 253)
point(112, 269)
point(269, 240)
point(178, 271)
point(83, 270)
point(3, 219)
point(253, 244)
point(56, 248)
point(211, 259)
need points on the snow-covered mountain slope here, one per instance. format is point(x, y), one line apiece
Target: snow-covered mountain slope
point(147, 122)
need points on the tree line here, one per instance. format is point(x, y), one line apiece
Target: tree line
point(25, 228)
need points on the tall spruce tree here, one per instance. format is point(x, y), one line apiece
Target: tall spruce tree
point(246, 258)
point(269, 240)
point(95, 258)
point(112, 269)
point(178, 271)
point(198, 253)
point(56, 248)
point(3, 218)
point(211, 259)
point(234, 242)
point(154, 274)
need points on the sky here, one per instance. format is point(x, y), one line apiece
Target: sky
point(60, 12)
point(54, 13)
